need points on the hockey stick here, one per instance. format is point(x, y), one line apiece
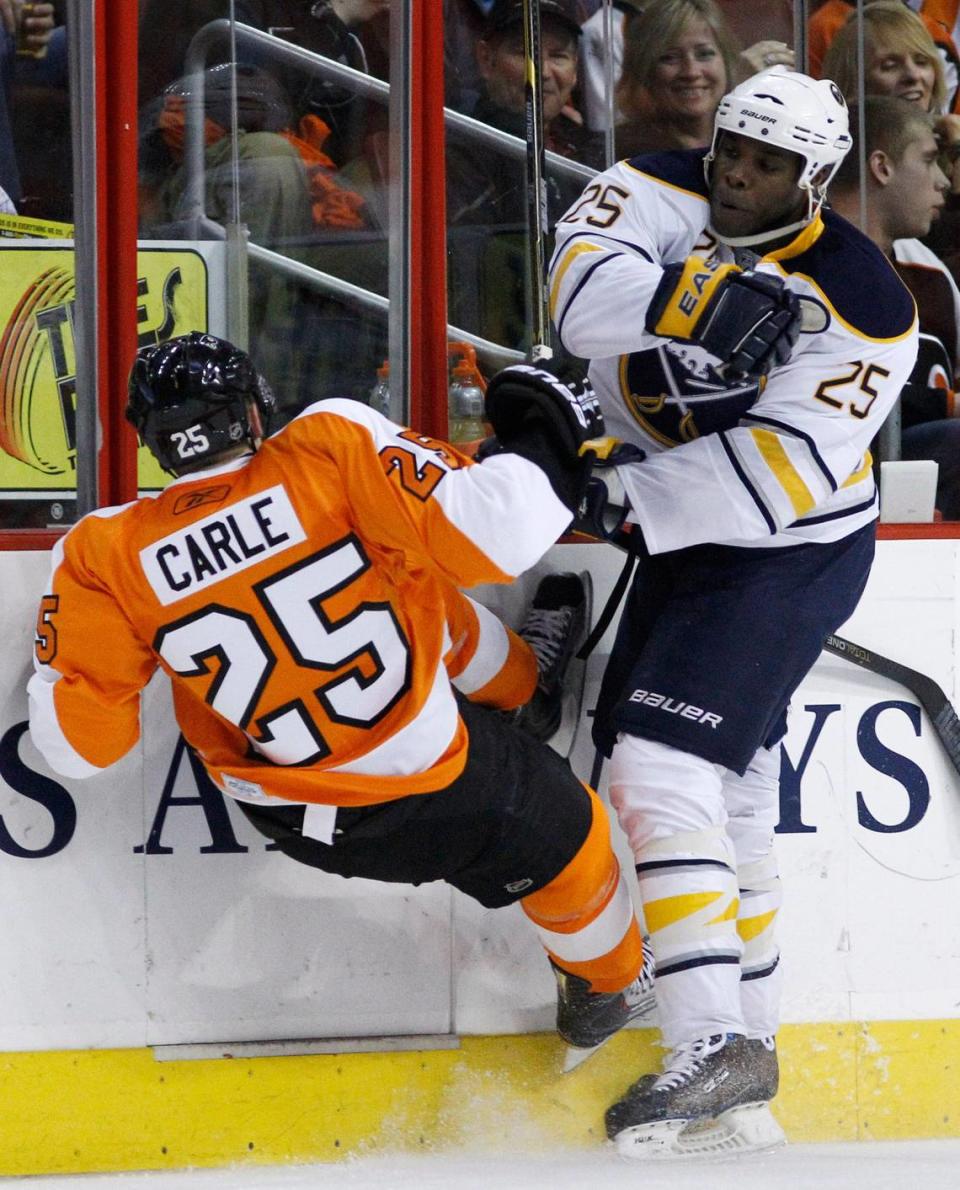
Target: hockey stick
point(536, 183)
point(924, 688)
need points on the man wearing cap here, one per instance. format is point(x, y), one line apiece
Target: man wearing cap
point(485, 185)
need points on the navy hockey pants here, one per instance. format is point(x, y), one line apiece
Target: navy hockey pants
point(715, 639)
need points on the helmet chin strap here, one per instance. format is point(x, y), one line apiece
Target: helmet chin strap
point(814, 203)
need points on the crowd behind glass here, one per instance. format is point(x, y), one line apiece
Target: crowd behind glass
point(307, 172)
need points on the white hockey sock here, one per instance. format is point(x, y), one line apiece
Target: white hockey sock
point(671, 807)
point(689, 891)
point(760, 899)
point(753, 805)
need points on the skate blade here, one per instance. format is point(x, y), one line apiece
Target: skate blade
point(747, 1129)
point(644, 1015)
point(576, 1055)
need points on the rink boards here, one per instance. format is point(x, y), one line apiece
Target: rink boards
point(149, 931)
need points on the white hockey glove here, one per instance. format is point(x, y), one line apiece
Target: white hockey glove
point(750, 321)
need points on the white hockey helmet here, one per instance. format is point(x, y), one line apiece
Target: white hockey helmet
point(806, 116)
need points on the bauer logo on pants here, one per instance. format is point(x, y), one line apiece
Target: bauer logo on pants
point(676, 706)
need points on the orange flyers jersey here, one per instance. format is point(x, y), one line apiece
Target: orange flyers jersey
point(296, 598)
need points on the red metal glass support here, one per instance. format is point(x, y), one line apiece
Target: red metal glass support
point(115, 42)
point(116, 84)
point(428, 224)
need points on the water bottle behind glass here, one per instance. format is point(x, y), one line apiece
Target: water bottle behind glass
point(465, 409)
point(380, 393)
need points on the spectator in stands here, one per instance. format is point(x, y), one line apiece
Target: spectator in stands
point(486, 188)
point(830, 18)
point(679, 59)
point(337, 29)
point(273, 191)
point(905, 189)
point(501, 68)
point(334, 112)
point(900, 57)
point(287, 196)
point(47, 69)
point(902, 60)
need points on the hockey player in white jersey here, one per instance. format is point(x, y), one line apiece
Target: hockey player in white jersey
point(750, 343)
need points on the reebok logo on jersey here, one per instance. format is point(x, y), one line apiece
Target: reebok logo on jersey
point(222, 544)
point(674, 706)
point(191, 500)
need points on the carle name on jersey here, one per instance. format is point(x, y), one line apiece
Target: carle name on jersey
point(221, 544)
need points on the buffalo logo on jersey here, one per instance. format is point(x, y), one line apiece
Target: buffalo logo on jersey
point(680, 406)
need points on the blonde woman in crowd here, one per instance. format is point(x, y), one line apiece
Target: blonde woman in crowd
point(680, 57)
point(900, 58)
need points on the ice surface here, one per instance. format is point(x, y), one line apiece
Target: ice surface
point(930, 1165)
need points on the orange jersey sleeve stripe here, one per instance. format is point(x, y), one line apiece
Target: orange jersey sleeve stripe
point(516, 681)
point(488, 662)
point(585, 916)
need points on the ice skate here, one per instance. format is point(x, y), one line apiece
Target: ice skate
point(553, 628)
point(711, 1099)
point(585, 1019)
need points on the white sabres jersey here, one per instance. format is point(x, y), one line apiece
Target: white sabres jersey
point(300, 599)
point(775, 463)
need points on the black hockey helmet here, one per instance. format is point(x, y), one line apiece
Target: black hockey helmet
point(189, 400)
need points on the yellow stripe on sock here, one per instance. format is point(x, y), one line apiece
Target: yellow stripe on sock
point(749, 927)
point(728, 914)
point(669, 910)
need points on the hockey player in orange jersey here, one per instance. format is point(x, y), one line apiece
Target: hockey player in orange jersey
point(301, 591)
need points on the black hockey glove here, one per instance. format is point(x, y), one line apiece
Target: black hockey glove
point(547, 419)
point(566, 406)
point(603, 510)
point(750, 321)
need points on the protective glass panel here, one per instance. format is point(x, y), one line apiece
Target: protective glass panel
point(897, 68)
point(265, 138)
point(491, 294)
point(37, 289)
point(648, 77)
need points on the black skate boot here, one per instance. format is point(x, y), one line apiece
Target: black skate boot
point(586, 1019)
point(712, 1097)
point(553, 628)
